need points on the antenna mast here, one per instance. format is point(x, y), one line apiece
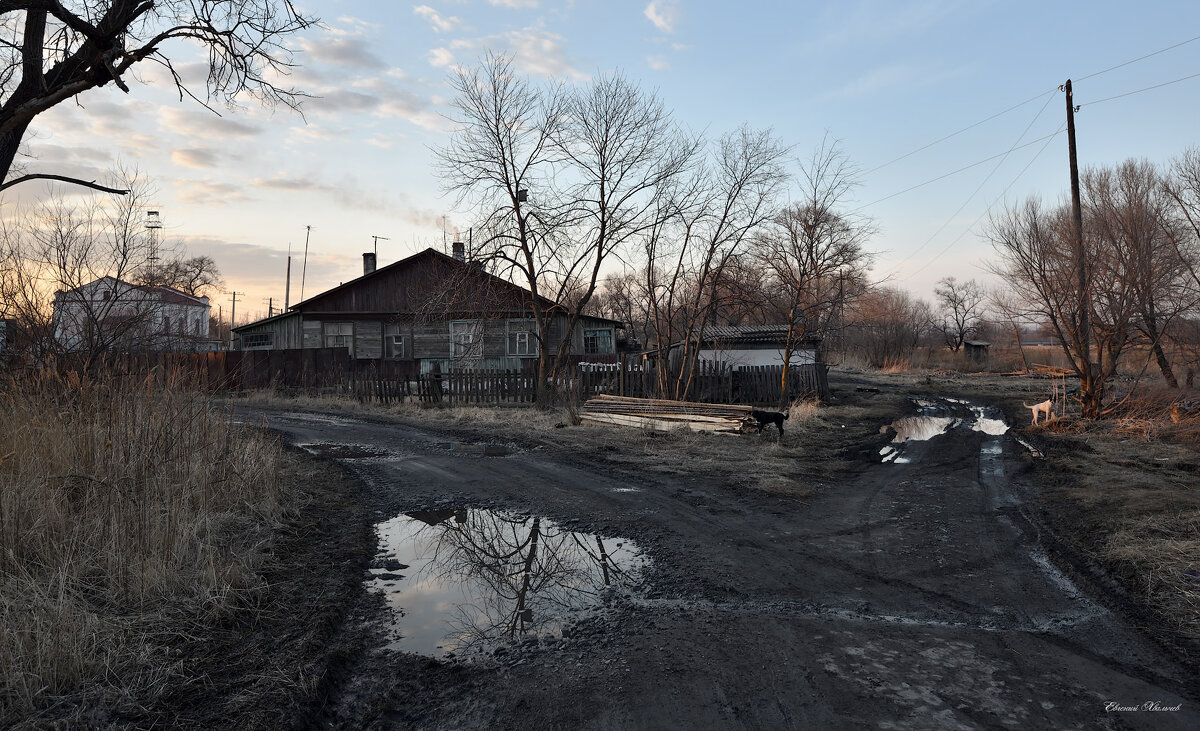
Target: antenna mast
point(304, 267)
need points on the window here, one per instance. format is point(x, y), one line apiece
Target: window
point(166, 325)
point(597, 342)
point(522, 339)
point(257, 340)
point(394, 345)
point(106, 295)
point(339, 334)
point(466, 339)
point(199, 324)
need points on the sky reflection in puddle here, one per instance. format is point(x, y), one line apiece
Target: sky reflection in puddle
point(931, 422)
point(475, 580)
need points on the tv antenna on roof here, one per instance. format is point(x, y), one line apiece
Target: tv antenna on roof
point(376, 240)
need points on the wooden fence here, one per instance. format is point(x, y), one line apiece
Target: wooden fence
point(478, 387)
point(710, 382)
point(332, 370)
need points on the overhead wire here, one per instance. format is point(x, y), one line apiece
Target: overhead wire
point(1015, 146)
point(975, 164)
point(988, 210)
point(1047, 139)
point(1138, 91)
point(1139, 58)
point(954, 134)
point(1038, 96)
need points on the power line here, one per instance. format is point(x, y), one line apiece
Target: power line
point(982, 183)
point(955, 172)
point(955, 134)
point(1139, 58)
point(988, 210)
point(1138, 91)
point(1035, 98)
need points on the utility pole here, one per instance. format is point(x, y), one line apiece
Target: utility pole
point(376, 240)
point(233, 315)
point(304, 267)
point(287, 282)
point(1083, 316)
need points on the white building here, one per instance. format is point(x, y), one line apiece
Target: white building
point(111, 314)
point(754, 345)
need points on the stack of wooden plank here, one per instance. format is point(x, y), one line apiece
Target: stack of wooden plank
point(664, 415)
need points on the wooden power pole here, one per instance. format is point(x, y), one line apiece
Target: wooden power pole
point(1083, 315)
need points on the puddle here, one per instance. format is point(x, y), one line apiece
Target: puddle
point(931, 421)
point(467, 584)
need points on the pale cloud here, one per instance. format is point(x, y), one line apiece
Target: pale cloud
point(208, 193)
point(889, 78)
point(664, 14)
point(205, 125)
point(514, 3)
point(534, 50)
point(863, 25)
point(439, 23)
point(440, 57)
point(658, 63)
point(196, 157)
point(348, 192)
point(341, 48)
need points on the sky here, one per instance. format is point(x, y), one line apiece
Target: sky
point(979, 79)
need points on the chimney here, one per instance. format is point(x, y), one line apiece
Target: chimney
point(460, 252)
point(368, 262)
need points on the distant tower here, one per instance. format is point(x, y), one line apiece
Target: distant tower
point(153, 226)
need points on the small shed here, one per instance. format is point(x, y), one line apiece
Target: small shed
point(977, 351)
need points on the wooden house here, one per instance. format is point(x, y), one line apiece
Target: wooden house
point(429, 312)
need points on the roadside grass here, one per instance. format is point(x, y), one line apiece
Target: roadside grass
point(1126, 490)
point(130, 511)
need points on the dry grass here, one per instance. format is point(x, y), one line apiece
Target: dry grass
point(119, 501)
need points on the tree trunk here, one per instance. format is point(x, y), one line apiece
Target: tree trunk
point(1164, 365)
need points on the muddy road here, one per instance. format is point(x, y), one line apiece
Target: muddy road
point(916, 595)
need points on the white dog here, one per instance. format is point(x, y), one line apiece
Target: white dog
point(1044, 407)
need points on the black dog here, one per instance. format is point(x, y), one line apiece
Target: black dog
point(768, 417)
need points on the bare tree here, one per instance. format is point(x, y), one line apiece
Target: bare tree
point(692, 251)
point(1133, 217)
point(55, 50)
point(887, 325)
point(197, 275)
point(961, 315)
point(1038, 261)
point(560, 180)
point(814, 253)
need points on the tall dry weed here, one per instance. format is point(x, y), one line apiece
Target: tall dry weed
point(118, 497)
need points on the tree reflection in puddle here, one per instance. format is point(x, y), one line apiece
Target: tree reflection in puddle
point(475, 580)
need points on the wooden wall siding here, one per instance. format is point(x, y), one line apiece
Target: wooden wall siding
point(312, 334)
point(368, 339)
point(431, 340)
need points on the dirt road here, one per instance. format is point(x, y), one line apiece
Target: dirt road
point(916, 595)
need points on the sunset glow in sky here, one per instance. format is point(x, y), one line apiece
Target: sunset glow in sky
point(885, 78)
